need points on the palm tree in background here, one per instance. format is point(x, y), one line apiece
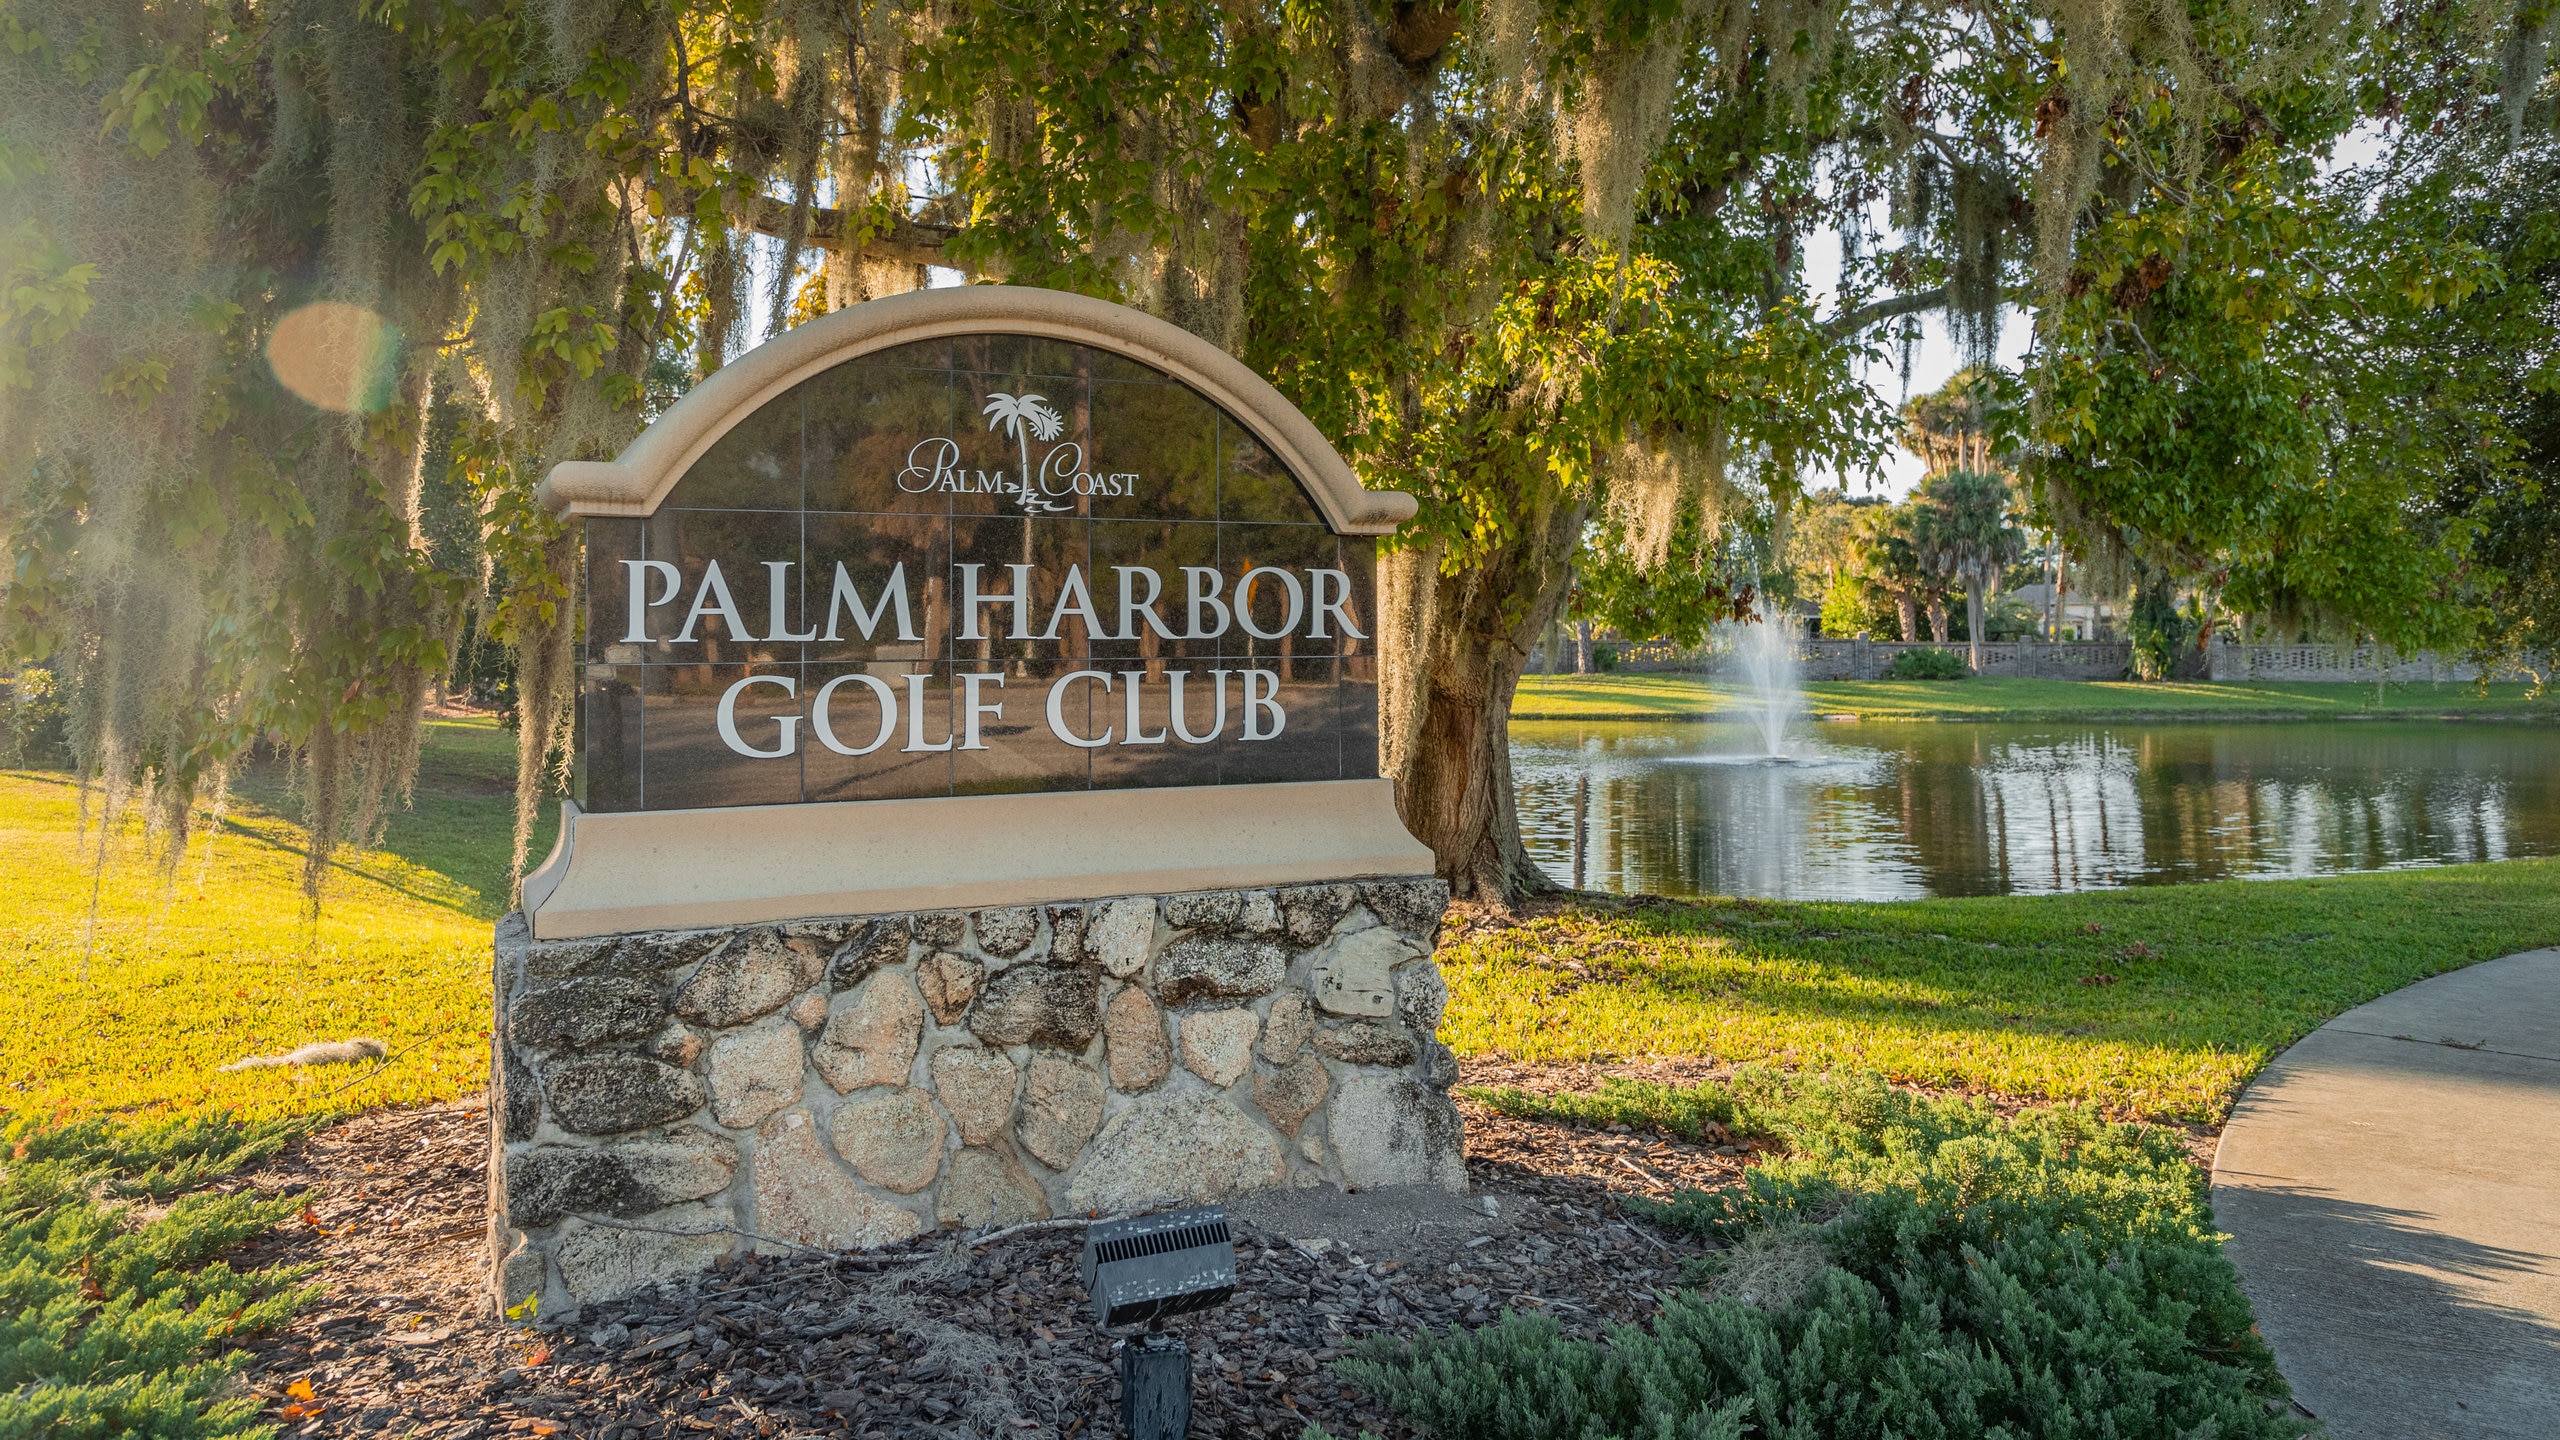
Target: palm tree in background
point(1960, 520)
point(1889, 555)
point(1026, 417)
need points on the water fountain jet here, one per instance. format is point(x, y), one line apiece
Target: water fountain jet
point(1764, 652)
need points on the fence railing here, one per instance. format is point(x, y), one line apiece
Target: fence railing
point(2072, 660)
point(2342, 664)
point(1869, 659)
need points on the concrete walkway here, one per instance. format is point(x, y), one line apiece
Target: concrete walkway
point(2392, 1189)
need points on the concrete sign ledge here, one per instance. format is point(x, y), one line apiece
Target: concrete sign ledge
point(2391, 1186)
point(751, 864)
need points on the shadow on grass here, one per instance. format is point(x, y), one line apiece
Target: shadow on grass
point(2163, 998)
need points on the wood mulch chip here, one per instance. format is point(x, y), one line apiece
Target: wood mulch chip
point(936, 1339)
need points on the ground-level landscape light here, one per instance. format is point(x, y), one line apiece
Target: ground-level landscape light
point(1142, 1271)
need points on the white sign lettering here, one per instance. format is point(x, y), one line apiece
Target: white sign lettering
point(1208, 610)
point(1048, 487)
point(1261, 715)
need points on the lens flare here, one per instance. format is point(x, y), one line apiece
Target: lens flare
point(337, 356)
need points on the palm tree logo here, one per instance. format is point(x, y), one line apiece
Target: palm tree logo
point(1026, 418)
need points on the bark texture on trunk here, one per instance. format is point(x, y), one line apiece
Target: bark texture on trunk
point(1453, 647)
point(1973, 626)
point(1907, 609)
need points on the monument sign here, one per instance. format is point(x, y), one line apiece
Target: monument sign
point(976, 810)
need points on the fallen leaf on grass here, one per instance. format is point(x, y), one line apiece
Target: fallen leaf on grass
point(2097, 979)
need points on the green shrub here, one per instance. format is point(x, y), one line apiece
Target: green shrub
point(1604, 658)
point(35, 731)
point(115, 1324)
point(1928, 664)
point(1913, 1267)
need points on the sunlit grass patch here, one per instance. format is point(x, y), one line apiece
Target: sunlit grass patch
point(2158, 1001)
point(188, 971)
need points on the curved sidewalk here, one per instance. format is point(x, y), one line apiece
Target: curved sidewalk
point(2391, 1186)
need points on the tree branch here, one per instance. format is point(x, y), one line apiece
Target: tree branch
point(907, 241)
point(1850, 322)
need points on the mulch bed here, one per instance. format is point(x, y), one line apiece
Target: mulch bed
point(938, 1339)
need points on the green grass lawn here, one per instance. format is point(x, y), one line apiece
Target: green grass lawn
point(2157, 1002)
point(187, 970)
point(1658, 696)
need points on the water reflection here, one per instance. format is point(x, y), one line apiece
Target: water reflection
point(1882, 812)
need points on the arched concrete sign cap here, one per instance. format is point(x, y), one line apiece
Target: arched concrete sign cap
point(637, 481)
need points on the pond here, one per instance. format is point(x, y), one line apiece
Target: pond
point(1881, 811)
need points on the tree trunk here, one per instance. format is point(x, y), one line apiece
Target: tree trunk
point(1938, 619)
point(1581, 647)
point(1907, 607)
point(1973, 626)
point(1451, 649)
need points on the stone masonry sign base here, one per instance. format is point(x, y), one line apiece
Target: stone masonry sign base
point(668, 1097)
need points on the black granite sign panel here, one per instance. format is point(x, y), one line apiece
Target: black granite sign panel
point(972, 566)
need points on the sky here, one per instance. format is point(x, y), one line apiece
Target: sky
point(1933, 361)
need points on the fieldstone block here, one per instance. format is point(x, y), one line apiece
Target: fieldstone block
point(619, 954)
point(1260, 915)
point(823, 935)
point(1310, 912)
point(1288, 1028)
point(1007, 932)
point(977, 1087)
point(1422, 996)
point(590, 1010)
point(1439, 1065)
point(1190, 1146)
point(1133, 1036)
point(1413, 907)
point(523, 1274)
point(558, 959)
point(1365, 1042)
point(875, 945)
point(803, 1196)
point(1217, 1045)
point(549, 1182)
point(1394, 1130)
point(1217, 967)
point(1208, 910)
point(892, 1138)
point(1122, 934)
point(949, 982)
point(602, 1262)
point(942, 929)
point(1288, 1095)
point(1355, 975)
point(1061, 1107)
point(871, 1035)
point(1053, 1004)
point(678, 1045)
point(985, 1190)
point(1066, 934)
point(520, 1106)
point(609, 1094)
point(755, 1072)
point(752, 976)
point(809, 1012)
